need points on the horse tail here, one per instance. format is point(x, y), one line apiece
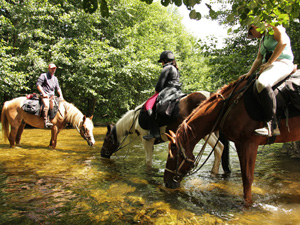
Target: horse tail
point(4, 122)
point(225, 154)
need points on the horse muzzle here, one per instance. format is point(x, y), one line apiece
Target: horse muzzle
point(105, 153)
point(172, 184)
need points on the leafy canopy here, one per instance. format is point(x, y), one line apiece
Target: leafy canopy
point(248, 11)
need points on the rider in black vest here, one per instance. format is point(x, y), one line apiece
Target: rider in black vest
point(169, 77)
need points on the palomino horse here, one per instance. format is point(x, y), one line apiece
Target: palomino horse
point(225, 110)
point(13, 115)
point(129, 124)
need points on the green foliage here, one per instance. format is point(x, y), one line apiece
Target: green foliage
point(231, 61)
point(293, 31)
point(106, 65)
point(247, 11)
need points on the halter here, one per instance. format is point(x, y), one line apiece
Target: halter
point(127, 134)
point(82, 132)
point(222, 115)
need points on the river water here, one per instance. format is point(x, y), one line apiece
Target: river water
point(74, 185)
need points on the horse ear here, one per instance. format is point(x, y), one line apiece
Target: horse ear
point(108, 128)
point(84, 118)
point(172, 133)
point(171, 137)
point(91, 117)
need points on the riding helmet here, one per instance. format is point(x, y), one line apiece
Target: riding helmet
point(166, 56)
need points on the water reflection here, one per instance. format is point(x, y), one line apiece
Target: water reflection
point(74, 185)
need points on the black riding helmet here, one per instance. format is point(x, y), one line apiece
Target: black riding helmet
point(166, 56)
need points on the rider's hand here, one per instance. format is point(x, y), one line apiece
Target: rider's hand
point(264, 66)
point(45, 96)
point(245, 76)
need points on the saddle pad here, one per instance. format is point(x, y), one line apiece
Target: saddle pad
point(255, 110)
point(162, 120)
point(150, 102)
point(31, 106)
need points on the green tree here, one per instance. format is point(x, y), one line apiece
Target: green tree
point(247, 12)
point(106, 65)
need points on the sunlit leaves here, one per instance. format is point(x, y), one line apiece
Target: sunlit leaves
point(195, 15)
point(272, 12)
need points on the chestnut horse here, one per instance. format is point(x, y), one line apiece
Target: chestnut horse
point(129, 124)
point(13, 115)
point(225, 110)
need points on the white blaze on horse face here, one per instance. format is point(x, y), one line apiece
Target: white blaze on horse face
point(90, 127)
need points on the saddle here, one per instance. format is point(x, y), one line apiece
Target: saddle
point(287, 95)
point(165, 110)
point(34, 105)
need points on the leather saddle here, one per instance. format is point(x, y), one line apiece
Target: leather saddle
point(34, 105)
point(287, 97)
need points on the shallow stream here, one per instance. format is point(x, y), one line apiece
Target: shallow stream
point(74, 185)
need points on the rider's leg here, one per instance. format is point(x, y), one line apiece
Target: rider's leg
point(47, 123)
point(278, 71)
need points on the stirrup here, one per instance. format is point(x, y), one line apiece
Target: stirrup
point(151, 136)
point(48, 124)
point(268, 131)
point(264, 131)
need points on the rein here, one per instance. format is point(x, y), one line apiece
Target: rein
point(221, 117)
point(127, 133)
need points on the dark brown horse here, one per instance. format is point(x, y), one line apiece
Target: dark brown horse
point(129, 124)
point(225, 110)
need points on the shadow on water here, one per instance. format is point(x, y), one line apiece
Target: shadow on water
point(74, 185)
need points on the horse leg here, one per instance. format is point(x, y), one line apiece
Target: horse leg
point(247, 152)
point(51, 142)
point(54, 132)
point(20, 131)
point(217, 152)
point(13, 133)
point(225, 155)
point(148, 146)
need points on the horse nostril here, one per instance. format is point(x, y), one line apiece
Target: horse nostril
point(105, 155)
point(172, 185)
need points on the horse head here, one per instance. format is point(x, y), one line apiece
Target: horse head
point(110, 144)
point(179, 163)
point(86, 130)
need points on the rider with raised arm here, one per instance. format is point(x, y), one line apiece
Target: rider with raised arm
point(275, 59)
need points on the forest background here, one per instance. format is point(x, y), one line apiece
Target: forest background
point(108, 64)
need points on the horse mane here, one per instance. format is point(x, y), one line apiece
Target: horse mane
point(73, 115)
point(122, 126)
point(184, 127)
point(224, 89)
point(181, 135)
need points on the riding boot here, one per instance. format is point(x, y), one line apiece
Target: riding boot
point(47, 122)
point(154, 129)
point(268, 102)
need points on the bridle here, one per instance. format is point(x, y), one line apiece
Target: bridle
point(83, 133)
point(221, 118)
point(178, 176)
point(121, 146)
